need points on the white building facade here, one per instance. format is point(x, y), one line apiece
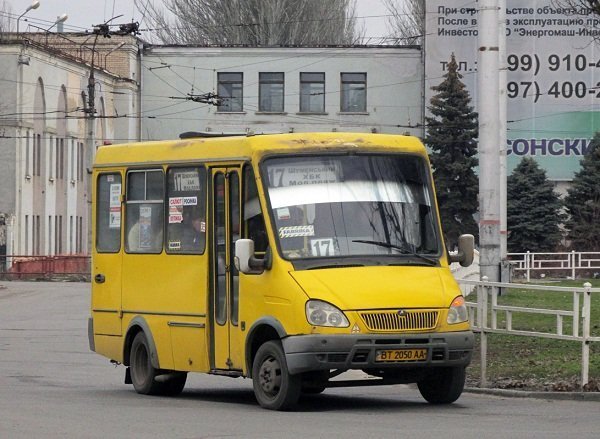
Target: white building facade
point(281, 89)
point(47, 143)
point(48, 139)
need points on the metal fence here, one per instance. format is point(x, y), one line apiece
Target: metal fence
point(485, 312)
point(570, 263)
point(17, 267)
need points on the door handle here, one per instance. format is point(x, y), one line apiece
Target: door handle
point(99, 278)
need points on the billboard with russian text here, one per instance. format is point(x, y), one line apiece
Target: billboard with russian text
point(553, 75)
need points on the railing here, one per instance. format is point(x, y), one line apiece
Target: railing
point(16, 267)
point(569, 262)
point(486, 308)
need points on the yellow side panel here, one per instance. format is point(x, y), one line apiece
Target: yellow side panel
point(105, 323)
point(109, 346)
point(163, 288)
point(161, 335)
point(189, 349)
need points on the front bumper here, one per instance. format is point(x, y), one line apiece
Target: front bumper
point(305, 353)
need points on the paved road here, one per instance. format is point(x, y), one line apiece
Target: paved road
point(51, 386)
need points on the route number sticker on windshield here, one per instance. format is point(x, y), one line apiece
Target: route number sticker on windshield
point(322, 247)
point(304, 173)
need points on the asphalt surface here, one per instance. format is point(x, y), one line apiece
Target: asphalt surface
point(52, 386)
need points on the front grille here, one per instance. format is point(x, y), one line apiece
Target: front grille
point(394, 321)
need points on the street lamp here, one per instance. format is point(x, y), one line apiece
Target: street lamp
point(60, 19)
point(34, 5)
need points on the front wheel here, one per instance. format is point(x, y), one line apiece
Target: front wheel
point(274, 387)
point(444, 385)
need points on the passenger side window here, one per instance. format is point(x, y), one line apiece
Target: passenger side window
point(186, 217)
point(108, 213)
point(254, 223)
point(144, 211)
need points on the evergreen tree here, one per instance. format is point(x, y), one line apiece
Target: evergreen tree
point(451, 137)
point(583, 202)
point(533, 209)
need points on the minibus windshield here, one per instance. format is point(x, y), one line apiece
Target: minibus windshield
point(352, 205)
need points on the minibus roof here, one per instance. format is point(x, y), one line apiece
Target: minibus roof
point(251, 147)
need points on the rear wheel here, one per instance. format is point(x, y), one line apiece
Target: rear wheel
point(171, 384)
point(274, 387)
point(444, 385)
point(148, 380)
point(143, 374)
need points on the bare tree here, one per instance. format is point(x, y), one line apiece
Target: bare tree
point(407, 20)
point(580, 6)
point(6, 17)
point(253, 22)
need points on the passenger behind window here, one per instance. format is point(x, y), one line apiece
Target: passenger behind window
point(145, 233)
point(194, 232)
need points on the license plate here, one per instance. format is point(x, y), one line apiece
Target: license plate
point(393, 355)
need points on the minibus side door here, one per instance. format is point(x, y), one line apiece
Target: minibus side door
point(225, 230)
point(106, 267)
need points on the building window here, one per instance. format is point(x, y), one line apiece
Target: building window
point(56, 234)
point(26, 234)
point(270, 91)
point(60, 157)
point(79, 234)
point(51, 159)
point(354, 93)
point(27, 159)
point(37, 154)
point(80, 161)
point(230, 91)
point(37, 235)
point(72, 161)
point(71, 234)
point(312, 92)
point(50, 235)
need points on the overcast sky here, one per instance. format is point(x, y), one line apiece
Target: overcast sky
point(85, 13)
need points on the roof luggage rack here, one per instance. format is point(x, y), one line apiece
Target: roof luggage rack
point(209, 134)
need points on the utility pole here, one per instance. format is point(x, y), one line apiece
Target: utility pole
point(503, 126)
point(90, 147)
point(489, 141)
point(90, 111)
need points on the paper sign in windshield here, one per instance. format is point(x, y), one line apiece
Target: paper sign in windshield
point(186, 181)
point(296, 175)
point(115, 206)
point(296, 231)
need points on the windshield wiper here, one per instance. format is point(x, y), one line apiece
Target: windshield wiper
point(401, 249)
point(334, 265)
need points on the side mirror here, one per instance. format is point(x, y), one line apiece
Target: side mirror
point(244, 260)
point(466, 250)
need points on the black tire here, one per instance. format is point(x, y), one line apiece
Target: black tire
point(274, 387)
point(143, 374)
point(444, 385)
point(313, 390)
point(314, 383)
point(171, 384)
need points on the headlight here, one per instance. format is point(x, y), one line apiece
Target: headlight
point(319, 313)
point(457, 313)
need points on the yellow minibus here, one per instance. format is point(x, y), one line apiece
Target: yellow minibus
point(285, 258)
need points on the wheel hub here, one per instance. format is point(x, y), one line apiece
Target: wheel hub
point(269, 376)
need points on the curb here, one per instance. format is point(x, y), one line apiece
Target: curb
point(568, 396)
